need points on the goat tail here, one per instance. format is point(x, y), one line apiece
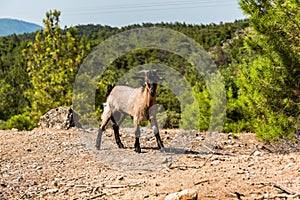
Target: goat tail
point(109, 89)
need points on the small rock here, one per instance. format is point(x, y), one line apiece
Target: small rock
point(53, 191)
point(19, 179)
point(242, 145)
point(173, 196)
point(55, 183)
point(188, 194)
point(257, 153)
point(120, 178)
point(215, 162)
point(3, 185)
point(241, 172)
point(236, 195)
point(230, 142)
point(289, 165)
point(250, 164)
point(39, 167)
point(200, 138)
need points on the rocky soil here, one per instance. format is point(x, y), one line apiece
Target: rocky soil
point(56, 164)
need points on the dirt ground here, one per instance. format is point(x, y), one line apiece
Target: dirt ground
point(53, 164)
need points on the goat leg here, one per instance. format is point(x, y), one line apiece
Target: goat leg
point(101, 129)
point(156, 133)
point(137, 147)
point(99, 137)
point(159, 141)
point(117, 136)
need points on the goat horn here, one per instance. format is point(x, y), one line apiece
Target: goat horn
point(143, 71)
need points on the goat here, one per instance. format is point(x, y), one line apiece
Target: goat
point(139, 103)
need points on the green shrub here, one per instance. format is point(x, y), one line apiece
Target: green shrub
point(204, 109)
point(173, 119)
point(274, 127)
point(2, 124)
point(190, 117)
point(20, 122)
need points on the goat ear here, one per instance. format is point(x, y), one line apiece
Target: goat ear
point(160, 78)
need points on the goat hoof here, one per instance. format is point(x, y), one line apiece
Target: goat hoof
point(162, 149)
point(97, 147)
point(137, 149)
point(161, 146)
point(121, 146)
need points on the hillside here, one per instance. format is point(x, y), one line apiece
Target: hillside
point(15, 76)
point(259, 63)
point(11, 26)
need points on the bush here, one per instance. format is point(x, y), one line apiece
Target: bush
point(20, 122)
point(2, 124)
point(190, 116)
point(173, 120)
point(274, 127)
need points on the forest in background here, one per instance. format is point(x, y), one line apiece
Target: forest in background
point(258, 57)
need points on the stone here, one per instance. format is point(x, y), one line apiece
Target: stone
point(19, 179)
point(55, 183)
point(257, 153)
point(61, 118)
point(53, 191)
point(251, 164)
point(3, 185)
point(200, 138)
point(188, 194)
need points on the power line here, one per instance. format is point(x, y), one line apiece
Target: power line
point(152, 6)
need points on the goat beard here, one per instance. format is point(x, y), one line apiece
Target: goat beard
point(152, 92)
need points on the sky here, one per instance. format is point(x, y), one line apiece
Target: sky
point(118, 13)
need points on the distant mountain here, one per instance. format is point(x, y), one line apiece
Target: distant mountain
point(11, 26)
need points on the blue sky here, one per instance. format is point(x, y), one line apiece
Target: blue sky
point(120, 12)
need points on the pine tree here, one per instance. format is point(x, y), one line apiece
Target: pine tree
point(52, 63)
point(270, 81)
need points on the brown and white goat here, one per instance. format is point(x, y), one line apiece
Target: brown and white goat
point(140, 103)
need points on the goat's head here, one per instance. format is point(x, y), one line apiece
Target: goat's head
point(151, 80)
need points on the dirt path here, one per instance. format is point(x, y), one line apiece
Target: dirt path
point(49, 164)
